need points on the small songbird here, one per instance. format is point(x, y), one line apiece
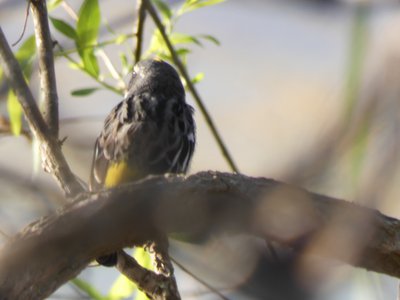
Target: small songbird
point(151, 131)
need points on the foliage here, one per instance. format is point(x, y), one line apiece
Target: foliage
point(25, 56)
point(84, 33)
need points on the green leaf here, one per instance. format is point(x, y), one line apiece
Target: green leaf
point(183, 51)
point(87, 30)
point(25, 55)
point(211, 39)
point(88, 289)
point(27, 49)
point(191, 5)
point(88, 24)
point(64, 28)
point(181, 38)
point(90, 62)
point(125, 63)
point(157, 44)
point(121, 38)
point(84, 92)
point(144, 259)
point(74, 66)
point(122, 288)
point(52, 4)
point(14, 113)
point(199, 77)
point(163, 8)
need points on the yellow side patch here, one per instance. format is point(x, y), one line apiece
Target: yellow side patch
point(118, 173)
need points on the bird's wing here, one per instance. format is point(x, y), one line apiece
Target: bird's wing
point(111, 145)
point(137, 141)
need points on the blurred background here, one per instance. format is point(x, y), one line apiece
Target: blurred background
point(306, 92)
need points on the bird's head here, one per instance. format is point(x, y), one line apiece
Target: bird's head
point(154, 76)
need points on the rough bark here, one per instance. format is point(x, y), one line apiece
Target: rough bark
point(56, 248)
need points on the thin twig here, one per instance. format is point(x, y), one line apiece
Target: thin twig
point(208, 286)
point(44, 44)
point(109, 65)
point(139, 26)
point(153, 13)
point(69, 10)
point(78, 65)
point(55, 159)
point(25, 22)
point(97, 45)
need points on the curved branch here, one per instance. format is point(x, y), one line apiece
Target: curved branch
point(53, 250)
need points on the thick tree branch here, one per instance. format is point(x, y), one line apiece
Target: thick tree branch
point(51, 148)
point(44, 44)
point(53, 250)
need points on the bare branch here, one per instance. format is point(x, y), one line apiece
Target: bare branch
point(50, 146)
point(53, 250)
point(156, 286)
point(44, 44)
point(139, 27)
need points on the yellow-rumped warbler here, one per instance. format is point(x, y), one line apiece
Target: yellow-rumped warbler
point(151, 131)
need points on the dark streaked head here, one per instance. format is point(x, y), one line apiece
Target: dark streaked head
point(155, 76)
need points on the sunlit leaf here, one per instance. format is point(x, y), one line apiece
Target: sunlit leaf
point(84, 92)
point(87, 30)
point(163, 8)
point(144, 259)
point(90, 62)
point(14, 113)
point(25, 55)
point(125, 63)
point(199, 77)
point(157, 44)
point(122, 288)
point(88, 289)
point(64, 28)
point(88, 23)
point(120, 39)
point(181, 38)
point(52, 4)
point(191, 5)
point(27, 49)
point(183, 51)
point(74, 66)
point(211, 39)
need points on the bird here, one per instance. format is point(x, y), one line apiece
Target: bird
point(150, 132)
